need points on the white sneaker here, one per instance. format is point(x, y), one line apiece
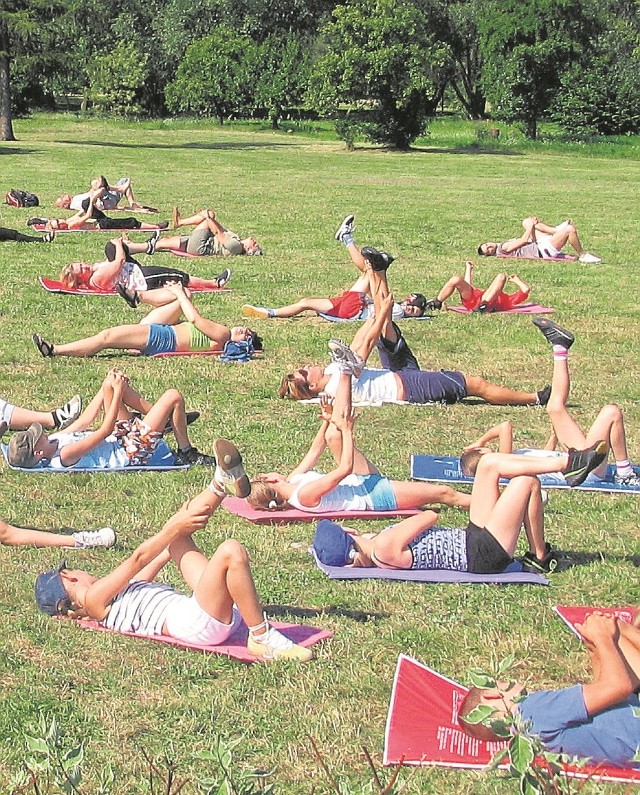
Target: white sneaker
point(590, 259)
point(347, 360)
point(66, 414)
point(345, 228)
point(229, 472)
point(272, 645)
point(87, 539)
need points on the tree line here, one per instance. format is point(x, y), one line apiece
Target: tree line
point(378, 68)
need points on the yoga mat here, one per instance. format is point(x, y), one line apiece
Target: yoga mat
point(558, 258)
point(521, 309)
point(576, 615)
point(236, 644)
point(150, 228)
point(160, 461)
point(185, 254)
point(54, 286)
point(422, 727)
point(514, 575)
point(446, 469)
point(357, 318)
point(241, 507)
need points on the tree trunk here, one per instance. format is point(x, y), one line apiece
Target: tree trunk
point(6, 127)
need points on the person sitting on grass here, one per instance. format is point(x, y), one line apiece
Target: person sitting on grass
point(134, 282)
point(209, 238)
point(401, 379)
point(121, 440)
point(540, 241)
point(108, 198)
point(90, 217)
point(355, 484)
point(12, 536)
point(161, 331)
point(353, 304)
point(487, 544)
point(223, 591)
point(597, 721)
point(493, 299)
point(608, 425)
point(7, 235)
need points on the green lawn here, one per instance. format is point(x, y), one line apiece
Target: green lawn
point(430, 208)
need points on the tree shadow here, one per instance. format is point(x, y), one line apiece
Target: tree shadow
point(193, 145)
point(361, 616)
point(471, 149)
point(14, 151)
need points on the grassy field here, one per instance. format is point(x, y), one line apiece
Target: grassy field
point(430, 208)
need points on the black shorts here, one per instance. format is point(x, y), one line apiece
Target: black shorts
point(157, 277)
point(485, 555)
point(118, 223)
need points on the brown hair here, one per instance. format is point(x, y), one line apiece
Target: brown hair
point(469, 462)
point(294, 389)
point(478, 730)
point(263, 496)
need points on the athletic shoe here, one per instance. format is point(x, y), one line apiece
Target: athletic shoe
point(248, 310)
point(379, 260)
point(590, 259)
point(229, 472)
point(553, 333)
point(345, 228)
point(163, 224)
point(222, 278)
point(194, 458)
point(630, 480)
point(272, 645)
point(542, 397)
point(548, 564)
point(433, 304)
point(581, 462)
point(49, 237)
point(45, 348)
point(130, 296)
point(87, 539)
point(484, 308)
point(152, 242)
point(66, 414)
point(348, 361)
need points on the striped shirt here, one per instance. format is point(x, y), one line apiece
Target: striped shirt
point(141, 608)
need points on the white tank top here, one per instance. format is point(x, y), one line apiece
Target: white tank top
point(373, 386)
point(349, 495)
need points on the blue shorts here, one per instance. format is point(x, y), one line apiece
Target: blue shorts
point(162, 339)
point(396, 356)
point(381, 492)
point(433, 386)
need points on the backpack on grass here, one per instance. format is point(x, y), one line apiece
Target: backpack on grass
point(21, 198)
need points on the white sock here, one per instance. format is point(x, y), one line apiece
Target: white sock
point(624, 469)
point(216, 488)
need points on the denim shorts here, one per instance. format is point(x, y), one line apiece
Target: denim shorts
point(162, 339)
point(381, 492)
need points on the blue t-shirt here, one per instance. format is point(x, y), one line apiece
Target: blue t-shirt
point(559, 718)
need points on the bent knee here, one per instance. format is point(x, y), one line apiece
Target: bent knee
point(234, 552)
point(611, 412)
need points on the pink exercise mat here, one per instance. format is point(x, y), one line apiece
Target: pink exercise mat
point(236, 644)
point(240, 507)
point(54, 286)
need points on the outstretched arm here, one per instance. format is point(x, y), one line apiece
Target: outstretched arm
point(615, 680)
point(217, 332)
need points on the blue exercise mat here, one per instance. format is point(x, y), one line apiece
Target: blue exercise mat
point(359, 319)
point(446, 469)
point(513, 574)
point(161, 461)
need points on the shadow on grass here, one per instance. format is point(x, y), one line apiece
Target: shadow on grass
point(194, 145)
point(362, 616)
point(12, 151)
point(569, 560)
point(470, 149)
